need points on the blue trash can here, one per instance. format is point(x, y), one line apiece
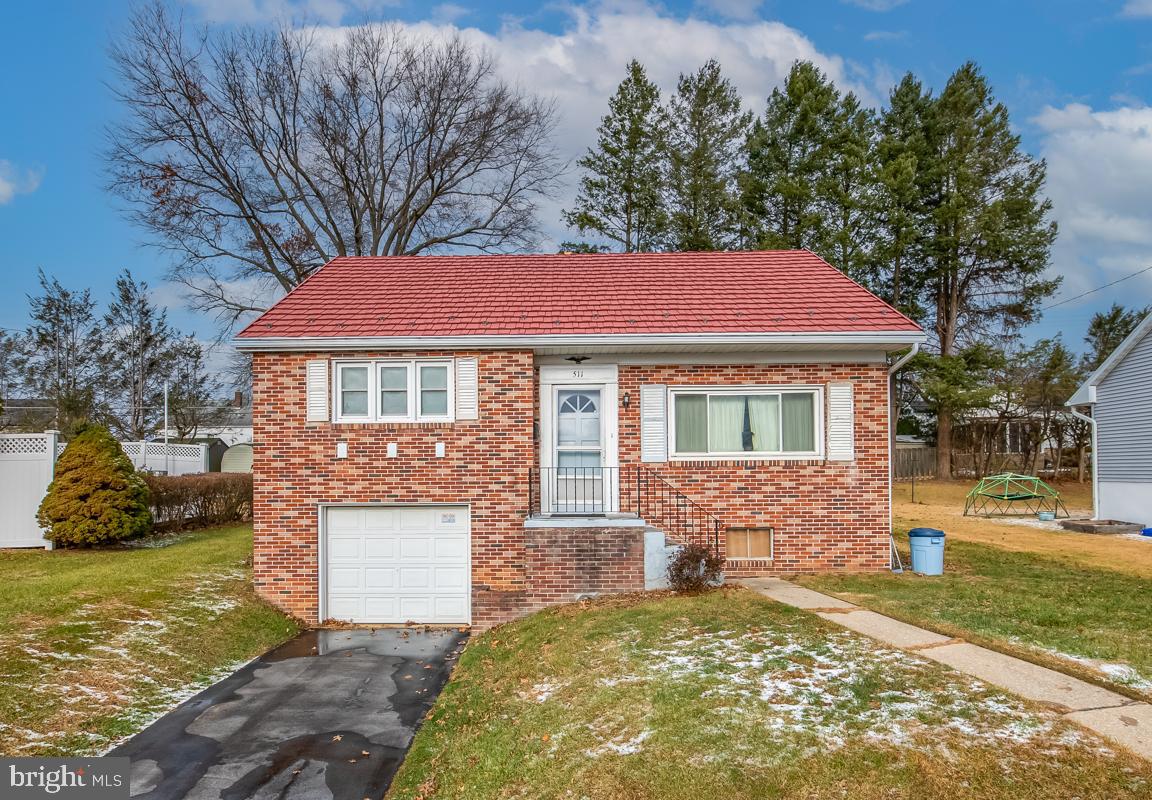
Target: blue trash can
point(927, 550)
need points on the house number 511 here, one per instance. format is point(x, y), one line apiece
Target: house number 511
point(577, 373)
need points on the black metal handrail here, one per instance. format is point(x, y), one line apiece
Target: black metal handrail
point(596, 491)
point(683, 520)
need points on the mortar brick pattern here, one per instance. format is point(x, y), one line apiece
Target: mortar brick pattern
point(826, 515)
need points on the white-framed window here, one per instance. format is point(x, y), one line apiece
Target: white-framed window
point(747, 422)
point(394, 390)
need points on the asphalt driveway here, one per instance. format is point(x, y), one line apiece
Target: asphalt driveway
point(329, 714)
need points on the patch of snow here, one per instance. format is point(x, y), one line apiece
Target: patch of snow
point(621, 747)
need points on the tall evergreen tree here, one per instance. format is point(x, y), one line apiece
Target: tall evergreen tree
point(706, 134)
point(788, 150)
point(137, 353)
point(847, 195)
point(990, 236)
point(902, 161)
point(1107, 329)
point(620, 195)
point(58, 357)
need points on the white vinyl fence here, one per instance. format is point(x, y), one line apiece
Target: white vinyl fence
point(27, 461)
point(177, 459)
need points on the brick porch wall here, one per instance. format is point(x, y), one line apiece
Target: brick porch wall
point(827, 515)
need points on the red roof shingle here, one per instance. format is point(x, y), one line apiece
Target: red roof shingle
point(531, 295)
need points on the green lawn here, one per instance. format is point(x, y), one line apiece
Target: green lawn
point(730, 695)
point(1026, 603)
point(94, 643)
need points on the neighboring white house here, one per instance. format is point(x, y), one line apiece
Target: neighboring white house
point(233, 425)
point(1119, 397)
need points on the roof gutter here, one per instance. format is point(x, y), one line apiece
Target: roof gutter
point(1095, 475)
point(904, 359)
point(890, 339)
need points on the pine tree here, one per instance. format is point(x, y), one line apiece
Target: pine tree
point(620, 195)
point(706, 134)
point(788, 150)
point(846, 193)
point(990, 236)
point(96, 495)
point(901, 161)
point(58, 355)
point(1107, 329)
point(135, 359)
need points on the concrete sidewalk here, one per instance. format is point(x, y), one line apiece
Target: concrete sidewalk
point(1126, 722)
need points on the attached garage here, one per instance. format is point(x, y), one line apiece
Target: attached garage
point(396, 564)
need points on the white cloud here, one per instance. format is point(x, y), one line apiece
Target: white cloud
point(14, 181)
point(449, 13)
point(1137, 8)
point(876, 5)
point(1100, 182)
point(581, 65)
point(731, 9)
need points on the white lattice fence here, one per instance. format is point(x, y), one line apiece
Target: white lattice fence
point(26, 461)
point(171, 458)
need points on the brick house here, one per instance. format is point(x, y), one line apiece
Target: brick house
point(464, 439)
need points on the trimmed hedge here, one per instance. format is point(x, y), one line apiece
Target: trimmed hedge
point(200, 501)
point(96, 495)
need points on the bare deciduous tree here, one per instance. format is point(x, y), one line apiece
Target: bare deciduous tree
point(256, 156)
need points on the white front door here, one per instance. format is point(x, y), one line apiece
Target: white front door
point(579, 480)
point(397, 564)
point(579, 459)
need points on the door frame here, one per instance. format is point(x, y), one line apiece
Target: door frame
point(322, 547)
point(602, 376)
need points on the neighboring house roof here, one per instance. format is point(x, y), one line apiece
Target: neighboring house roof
point(1086, 394)
point(633, 297)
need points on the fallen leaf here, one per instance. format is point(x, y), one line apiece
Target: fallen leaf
point(337, 738)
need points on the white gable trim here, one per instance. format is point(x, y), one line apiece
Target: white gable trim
point(1086, 394)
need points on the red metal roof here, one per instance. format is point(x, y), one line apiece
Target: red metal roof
point(780, 291)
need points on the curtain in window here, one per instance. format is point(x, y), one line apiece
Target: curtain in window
point(799, 423)
point(691, 423)
point(725, 423)
point(764, 412)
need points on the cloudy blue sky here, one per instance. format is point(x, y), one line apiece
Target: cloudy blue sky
point(1076, 75)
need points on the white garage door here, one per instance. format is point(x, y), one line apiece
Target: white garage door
point(397, 565)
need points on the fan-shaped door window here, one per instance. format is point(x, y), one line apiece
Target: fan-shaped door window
point(579, 451)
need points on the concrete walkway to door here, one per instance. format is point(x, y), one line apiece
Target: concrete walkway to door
point(1124, 721)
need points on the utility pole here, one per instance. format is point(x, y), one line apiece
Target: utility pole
point(166, 471)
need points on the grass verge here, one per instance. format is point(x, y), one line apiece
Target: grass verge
point(730, 695)
point(95, 643)
point(1049, 609)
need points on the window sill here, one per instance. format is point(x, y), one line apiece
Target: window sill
point(741, 457)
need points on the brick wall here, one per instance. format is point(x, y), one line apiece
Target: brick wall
point(295, 467)
point(827, 515)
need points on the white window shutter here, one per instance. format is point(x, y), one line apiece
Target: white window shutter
point(841, 422)
point(317, 391)
point(654, 423)
point(467, 388)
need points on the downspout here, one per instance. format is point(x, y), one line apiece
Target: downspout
point(896, 365)
point(1095, 475)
